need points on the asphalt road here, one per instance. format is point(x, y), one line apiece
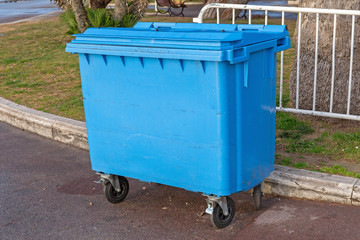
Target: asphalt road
point(47, 192)
point(13, 10)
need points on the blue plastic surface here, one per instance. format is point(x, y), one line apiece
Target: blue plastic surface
point(188, 105)
point(191, 41)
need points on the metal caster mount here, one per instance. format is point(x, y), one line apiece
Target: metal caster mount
point(115, 187)
point(221, 210)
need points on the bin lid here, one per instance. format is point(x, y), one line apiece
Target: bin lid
point(183, 35)
point(148, 36)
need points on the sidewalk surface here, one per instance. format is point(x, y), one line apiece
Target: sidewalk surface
point(11, 11)
point(47, 192)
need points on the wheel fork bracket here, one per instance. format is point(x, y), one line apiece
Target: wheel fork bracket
point(213, 200)
point(113, 179)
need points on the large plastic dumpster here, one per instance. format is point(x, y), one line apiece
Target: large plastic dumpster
point(183, 104)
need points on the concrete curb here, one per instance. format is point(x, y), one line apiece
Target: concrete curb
point(291, 182)
point(284, 181)
point(61, 129)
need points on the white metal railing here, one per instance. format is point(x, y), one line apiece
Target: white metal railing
point(300, 11)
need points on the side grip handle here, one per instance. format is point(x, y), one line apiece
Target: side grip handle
point(246, 73)
point(283, 44)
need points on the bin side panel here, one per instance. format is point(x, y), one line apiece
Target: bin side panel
point(256, 118)
point(156, 120)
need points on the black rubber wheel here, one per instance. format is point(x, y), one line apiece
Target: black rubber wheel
point(218, 219)
point(257, 195)
point(112, 195)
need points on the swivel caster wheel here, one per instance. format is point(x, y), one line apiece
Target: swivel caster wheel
point(114, 196)
point(257, 195)
point(218, 218)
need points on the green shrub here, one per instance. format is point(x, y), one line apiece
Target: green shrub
point(69, 19)
point(129, 20)
point(98, 18)
point(101, 18)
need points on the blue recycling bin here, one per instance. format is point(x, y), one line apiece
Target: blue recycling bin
point(183, 104)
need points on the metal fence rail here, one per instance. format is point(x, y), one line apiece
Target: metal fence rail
point(300, 11)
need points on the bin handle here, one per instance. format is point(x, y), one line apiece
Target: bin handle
point(163, 25)
point(243, 54)
point(246, 73)
point(283, 44)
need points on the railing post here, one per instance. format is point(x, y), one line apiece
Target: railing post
point(233, 16)
point(266, 17)
point(298, 63)
point(351, 63)
point(282, 65)
point(316, 60)
point(333, 67)
point(250, 16)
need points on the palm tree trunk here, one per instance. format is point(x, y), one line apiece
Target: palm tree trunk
point(95, 4)
point(139, 7)
point(80, 14)
point(120, 9)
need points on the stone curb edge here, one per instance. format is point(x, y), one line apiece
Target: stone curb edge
point(284, 181)
point(51, 126)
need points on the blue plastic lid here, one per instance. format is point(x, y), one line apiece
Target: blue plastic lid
point(159, 37)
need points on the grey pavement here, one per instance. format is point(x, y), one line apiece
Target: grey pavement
point(11, 10)
point(47, 192)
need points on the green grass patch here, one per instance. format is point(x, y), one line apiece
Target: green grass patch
point(300, 165)
point(335, 169)
point(9, 60)
point(286, 161)
point(346, 143)
point(291, 130)
point(299, 136)
point(306, 146)
point(337, 145)
point(35, 70)
point(340, 170)
point(288, 122)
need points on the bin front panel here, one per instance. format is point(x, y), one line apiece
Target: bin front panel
point(200, 130)
point(157, 122)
